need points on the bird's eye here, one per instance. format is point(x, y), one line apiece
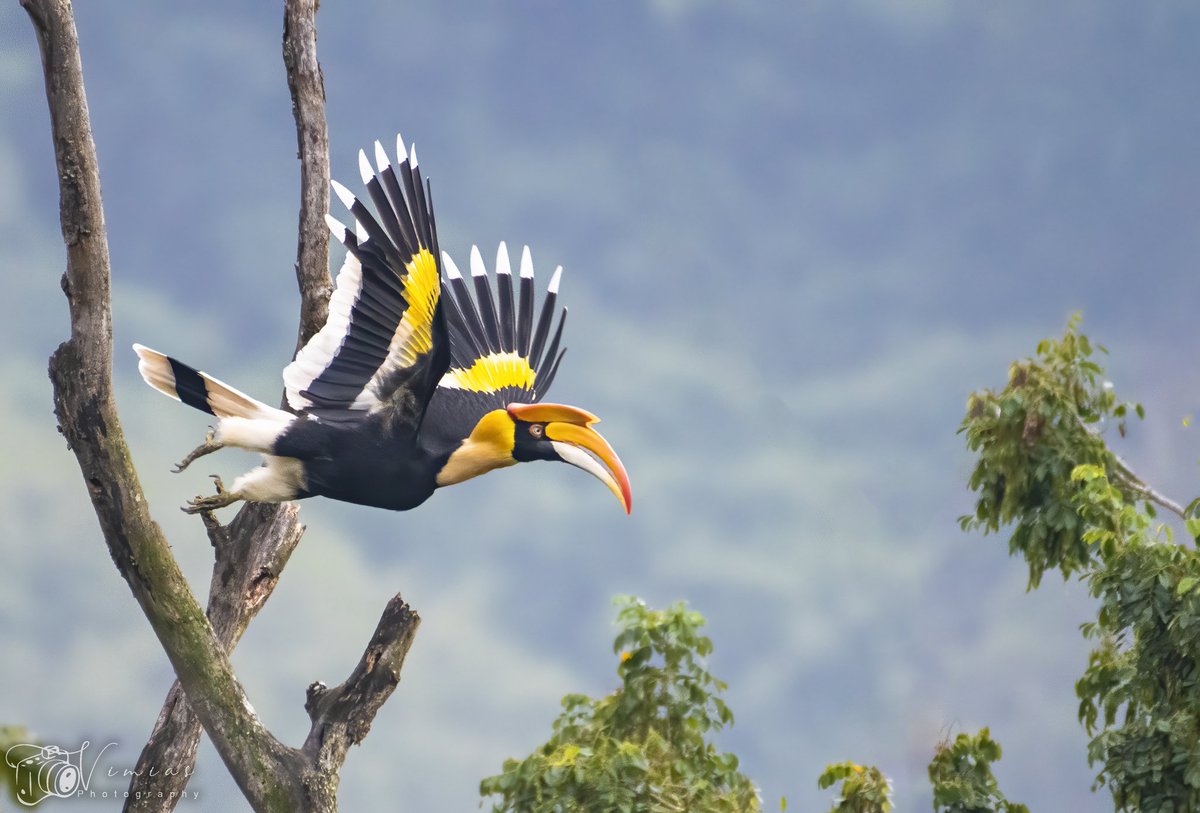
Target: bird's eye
point(537, 430)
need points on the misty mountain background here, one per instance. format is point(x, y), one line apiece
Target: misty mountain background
point(795, 237)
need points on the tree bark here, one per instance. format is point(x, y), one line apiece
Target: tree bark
point(250, 554)
point(342, 716)
point(307, 87)
point(272, 776)
point(81, 372)
point(252, 550)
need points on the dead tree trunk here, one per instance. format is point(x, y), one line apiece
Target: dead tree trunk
point(251, 552)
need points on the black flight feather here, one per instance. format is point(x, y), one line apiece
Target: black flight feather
point(463, 297)
point(507, 319)
point(543, 328)
point(435, 248)
point(525, 317)
point(463, 348)
point(544, 382)
point(387, 214)
point(422, 205)
point(487, 308)
point(410, 195)
point(398, 204)
point(552, 352)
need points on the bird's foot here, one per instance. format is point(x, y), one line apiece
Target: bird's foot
point(219, 500)
point(210, 445)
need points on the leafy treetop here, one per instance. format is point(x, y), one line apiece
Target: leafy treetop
point(644, 748)
point(961, 773)
point(1029, 437)
point(1044, 469)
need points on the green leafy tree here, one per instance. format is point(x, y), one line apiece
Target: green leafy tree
point(864, 788)
point(1140, 695)
point(644, 748)
point(961, 774)
point(1045, 469)
point(1030, 437)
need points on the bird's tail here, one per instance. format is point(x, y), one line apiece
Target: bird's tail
point(196, 389)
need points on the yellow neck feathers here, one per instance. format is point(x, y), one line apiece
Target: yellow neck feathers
point(489, 447)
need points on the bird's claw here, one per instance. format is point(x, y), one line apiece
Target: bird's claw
point(210, 445)
point(221, 499)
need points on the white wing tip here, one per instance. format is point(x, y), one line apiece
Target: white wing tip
point(526, 263)
point(478, 269)
point(412, 156)
point(344, 194)
point(401, 151)
point(335, 226)
point(364, 167)
point(452, 271)
point(381, 158)
point(553, 288)
point(502, 264)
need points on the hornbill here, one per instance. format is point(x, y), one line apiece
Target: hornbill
point(412, 383)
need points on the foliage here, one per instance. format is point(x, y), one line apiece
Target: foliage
point(643, 748)
point(1029, 437)
point(1075, 505)
point(864, 788)
point(1141, 690)
point(961, 773)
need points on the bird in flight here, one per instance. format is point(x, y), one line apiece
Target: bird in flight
point(413, 383)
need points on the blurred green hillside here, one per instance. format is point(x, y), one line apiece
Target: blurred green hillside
point(795, 238)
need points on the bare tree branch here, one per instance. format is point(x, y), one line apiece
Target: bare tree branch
point(81, 372)
point(312, 137)
point(271, 775)
point(250, 554)
point(261, 537)
point(1137, 484)
point(1130, 480)
point(342, 716)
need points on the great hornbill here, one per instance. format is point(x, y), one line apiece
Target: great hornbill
point(410, 385)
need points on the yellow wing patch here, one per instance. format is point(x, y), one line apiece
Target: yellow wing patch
point(492, 373)
point(413, 336)
point(422, 287)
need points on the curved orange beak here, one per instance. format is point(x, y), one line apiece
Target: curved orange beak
point(569, 430)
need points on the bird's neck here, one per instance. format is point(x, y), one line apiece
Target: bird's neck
point(488, 447)
point(472, 459)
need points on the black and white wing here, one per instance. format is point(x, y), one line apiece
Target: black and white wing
point(385, 345)
point(499, 354)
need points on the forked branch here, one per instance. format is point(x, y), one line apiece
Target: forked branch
point(271, 775)
point(252, 550)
